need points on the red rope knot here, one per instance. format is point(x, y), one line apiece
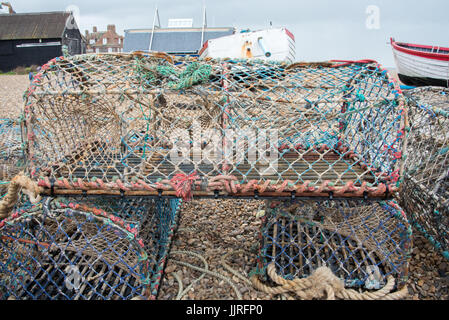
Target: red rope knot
point(44, 182)
point(395, 176)
point(183, 185)
point(283, 147)
point(37, 78)
point(45, 67)
point(121, 185)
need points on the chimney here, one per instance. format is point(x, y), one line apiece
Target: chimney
point(111, 28)
point(94, 29)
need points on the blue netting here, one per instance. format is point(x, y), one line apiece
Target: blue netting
point(155, 221)
point(11, 152)
point(361, 242)
point(61, 249)
point(425, 194)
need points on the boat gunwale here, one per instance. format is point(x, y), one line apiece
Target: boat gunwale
point(401, 46)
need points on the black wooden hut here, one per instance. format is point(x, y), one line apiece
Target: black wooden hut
point(34, 38)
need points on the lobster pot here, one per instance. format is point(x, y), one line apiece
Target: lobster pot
point(11, 153)
point(425, 195)
point(427, 213)
point(12, 159)
point(154, 219)
point(361, 242)
point(57, 251)
point(140, 122)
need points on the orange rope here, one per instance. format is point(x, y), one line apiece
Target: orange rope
point(44, 244)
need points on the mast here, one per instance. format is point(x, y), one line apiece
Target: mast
point(156, 15)
point(204, 25)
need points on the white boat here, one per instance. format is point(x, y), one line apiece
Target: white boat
point(277, 44)
point(421, 65)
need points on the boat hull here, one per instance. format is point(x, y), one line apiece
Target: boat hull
point(421, 68)
point(269, 44)
point(421, 82)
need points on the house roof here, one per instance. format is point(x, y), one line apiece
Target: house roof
point(176, 40)
point(40, 25)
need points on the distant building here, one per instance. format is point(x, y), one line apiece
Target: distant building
point(178, 41)
point(104, 41)
point(179, 38)
point(35, 38)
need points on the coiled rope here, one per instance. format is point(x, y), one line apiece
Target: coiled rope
point(324, 284)
point(195, 73)
point(181, 291)
point(18, 183)
point(204, 271)
point(232, 271)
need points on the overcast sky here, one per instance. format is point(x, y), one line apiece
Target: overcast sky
point(324, 29)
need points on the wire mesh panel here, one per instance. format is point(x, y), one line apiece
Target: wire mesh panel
point(425, 194)
point(145, 124)
point(337, 127)
point(361, 242)
point(154, 219)
point(11, 153)
point(63, 250)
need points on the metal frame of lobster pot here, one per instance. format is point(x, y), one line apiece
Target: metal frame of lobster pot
point(425, 191)
point(63, 249)
point(155, 125)
point(11, 153)
point(345, 249)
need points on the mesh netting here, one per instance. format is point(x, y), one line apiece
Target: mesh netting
point(61, 250)
point(11, 153)
point(425, 194)
point(361, 242)
point(154, 219)
point(145, 123)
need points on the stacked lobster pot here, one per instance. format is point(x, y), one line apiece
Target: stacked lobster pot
point(11, 154)
point(425, 194)
point(12, 161)
point(322, 142)
point(78, 245)
point(340, 129)
point(346, 249)
point(63, 249)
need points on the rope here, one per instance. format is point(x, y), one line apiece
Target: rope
point(18, 183)
point(324, 284)
point(181, 292)
point(183, 185)
point(180, 288)
point(194, 73)
point(204, 271)
point(284, 296)
point(232, 271)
